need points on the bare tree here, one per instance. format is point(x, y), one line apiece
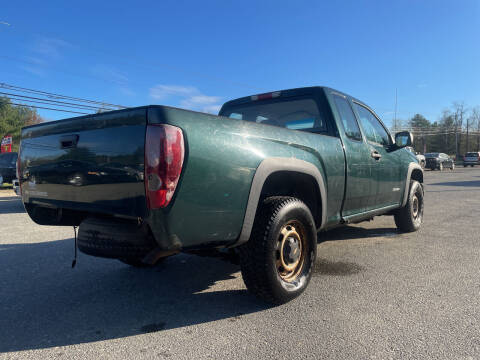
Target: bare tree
point(447, 124)
point(460, 110)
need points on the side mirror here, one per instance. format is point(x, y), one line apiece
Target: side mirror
point(403, 138)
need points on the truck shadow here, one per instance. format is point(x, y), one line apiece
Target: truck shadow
point(11, 205)
point(44, 303)
point(472, 183)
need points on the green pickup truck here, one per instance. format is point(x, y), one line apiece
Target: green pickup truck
point(259, 180)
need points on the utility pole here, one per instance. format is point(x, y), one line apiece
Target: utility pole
point(395, 114)
point(468, 120)
point(456, 135)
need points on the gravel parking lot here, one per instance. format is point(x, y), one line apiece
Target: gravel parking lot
point(375, 294)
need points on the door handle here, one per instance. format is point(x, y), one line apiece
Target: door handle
point(375, 154)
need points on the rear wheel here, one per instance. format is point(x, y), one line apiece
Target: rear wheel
point(409, 218)
point(278, 259)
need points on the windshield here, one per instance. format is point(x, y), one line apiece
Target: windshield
point(431, 155)
point(295, 114)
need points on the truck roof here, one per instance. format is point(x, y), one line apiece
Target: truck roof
point(245, 99)
point(291, 92)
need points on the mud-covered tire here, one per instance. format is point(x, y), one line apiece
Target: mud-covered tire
point(283, 233)
point(409, 218)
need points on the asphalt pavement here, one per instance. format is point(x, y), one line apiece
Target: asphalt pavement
point(375, 294)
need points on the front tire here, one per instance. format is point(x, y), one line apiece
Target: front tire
point(409, 218)
point(452, 167)
point(440, 167)
point(277, 261)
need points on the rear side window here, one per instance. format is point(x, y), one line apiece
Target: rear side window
point(374, 131)
point(348, 118)
point(295, 114)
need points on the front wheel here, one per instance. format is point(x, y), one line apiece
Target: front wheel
point(409, 218)
point(453, 167)
point(440, 167)
point(278, 259)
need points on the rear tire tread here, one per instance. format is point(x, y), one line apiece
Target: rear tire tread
point(255, 270)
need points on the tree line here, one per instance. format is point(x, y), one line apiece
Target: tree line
point(455, 133)
point(13, 118)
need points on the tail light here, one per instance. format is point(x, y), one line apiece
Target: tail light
point(164, 154)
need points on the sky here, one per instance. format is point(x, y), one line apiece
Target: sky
point(199, 54)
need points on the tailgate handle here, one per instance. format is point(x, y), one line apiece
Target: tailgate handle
point(68, 141)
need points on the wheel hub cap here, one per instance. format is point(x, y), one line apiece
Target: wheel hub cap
point(291, 250)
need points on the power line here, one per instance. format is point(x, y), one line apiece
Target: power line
point(53, 102)
point(27, 102)
point(40, 107)
point(58, 96)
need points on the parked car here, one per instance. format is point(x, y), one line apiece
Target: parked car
point(420, 157)
point(439, 161)
point(8, 162)
point(259, 180)
point(16, 188)
point(472, 159)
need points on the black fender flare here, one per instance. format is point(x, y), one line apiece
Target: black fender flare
point(267, 167)
point(412, 166)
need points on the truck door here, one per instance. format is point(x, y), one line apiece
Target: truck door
point(386, 169)
point(358, 173)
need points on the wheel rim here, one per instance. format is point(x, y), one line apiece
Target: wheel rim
point(415, 207)
point(290, 251)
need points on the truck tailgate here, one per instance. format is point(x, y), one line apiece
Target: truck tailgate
point(93, 163)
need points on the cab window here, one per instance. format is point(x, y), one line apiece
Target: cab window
point(374, 130)
point(291, 113)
